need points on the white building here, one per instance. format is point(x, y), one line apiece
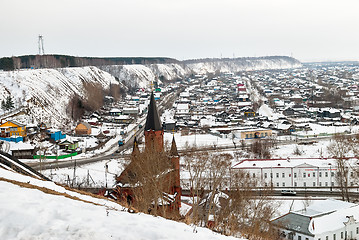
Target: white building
point(182, 108)
point(328, 220)
point(295, 172)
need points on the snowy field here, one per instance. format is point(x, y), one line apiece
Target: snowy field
point(199, 140)
point(316, 150)
point(42, 210)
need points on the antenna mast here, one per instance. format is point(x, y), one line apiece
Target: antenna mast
point(41, 45)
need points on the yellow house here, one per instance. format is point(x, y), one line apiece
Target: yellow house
point(12, 129)
point(83, 128)
point(254, 133)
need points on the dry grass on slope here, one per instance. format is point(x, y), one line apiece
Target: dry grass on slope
point(53, 192)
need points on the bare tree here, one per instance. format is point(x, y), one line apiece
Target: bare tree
point(150, 177)
point(227, 197)
point(261, 148)
point(94, 96)
point(339, 149)
point(248, 212)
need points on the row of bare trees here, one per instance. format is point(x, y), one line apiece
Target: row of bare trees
point(226, 197)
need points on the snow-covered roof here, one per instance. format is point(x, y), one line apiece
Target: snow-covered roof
point(21, 146)
point(182, 106)
point(286, 163)
point(115, 110)
point(328, 206)
point(335, 220)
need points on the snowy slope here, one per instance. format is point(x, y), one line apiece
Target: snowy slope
point(45, 93)
point(142, 75)
point(35, 209)
point(242, 64)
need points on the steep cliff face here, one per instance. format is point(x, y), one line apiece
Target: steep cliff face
point(45, 93)
point(203, 66)
point(141, 76)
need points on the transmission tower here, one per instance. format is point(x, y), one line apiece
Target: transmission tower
point(41, 45)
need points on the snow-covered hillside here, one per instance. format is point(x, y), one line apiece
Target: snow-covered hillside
point(142, 75)
point(242, 64)
point(45, 93)
point(35, 209)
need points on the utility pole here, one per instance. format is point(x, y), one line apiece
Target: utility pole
point(41, 45)
point(74, 177)
point(106, 170)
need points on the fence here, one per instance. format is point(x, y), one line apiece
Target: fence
point(55, 157)
point(18, 139)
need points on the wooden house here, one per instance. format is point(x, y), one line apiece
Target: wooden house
point(69, 145)
point(83, 128)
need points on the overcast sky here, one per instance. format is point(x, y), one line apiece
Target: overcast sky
point(309, 30)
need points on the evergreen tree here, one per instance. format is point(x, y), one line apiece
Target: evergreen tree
point(3, 105)
point(9, 103)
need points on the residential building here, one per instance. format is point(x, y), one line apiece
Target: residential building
point(253, 133)
point(295, 172)
point(12, 129)
point(323, 220)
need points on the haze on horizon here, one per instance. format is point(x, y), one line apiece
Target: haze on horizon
point(320, 30)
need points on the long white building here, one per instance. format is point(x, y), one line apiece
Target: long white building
point(295, 172)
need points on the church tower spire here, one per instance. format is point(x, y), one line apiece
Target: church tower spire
point(153, 127)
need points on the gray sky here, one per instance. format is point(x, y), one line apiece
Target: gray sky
point(310, 30)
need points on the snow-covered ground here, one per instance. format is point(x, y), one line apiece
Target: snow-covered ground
point(320, 130)
point(316, 150)
point(199, 140)
point(42, 210)
point(89, 175)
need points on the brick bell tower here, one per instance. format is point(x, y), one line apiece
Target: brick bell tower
point(153, 128)
point(175, 175)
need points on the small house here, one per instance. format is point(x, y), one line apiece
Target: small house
point(22, 150)
point(69, 145)
point(12, 129)
point(56, 135)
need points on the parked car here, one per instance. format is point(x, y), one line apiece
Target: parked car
point(288, 192)
point(121, 142)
